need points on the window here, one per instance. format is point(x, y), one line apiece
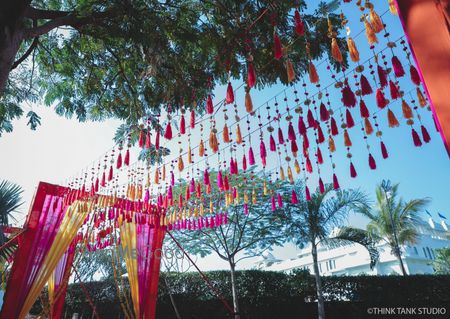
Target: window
point(425, 252)
point(430, 251)
point(415, 250)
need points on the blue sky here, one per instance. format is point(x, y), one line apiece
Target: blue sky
point(61, 147)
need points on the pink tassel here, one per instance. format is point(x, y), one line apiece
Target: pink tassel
point(206, 177)
point(110, 174)
point(291, 132)
point(426, 137)
point(348, 97)
point(148, 141)
point(294, 198)
point(245, 208)
point(274, 208)
point(157, 140)
point(416, 138)
point(251, 157)
point(119, 161)
point(334, 127)
point(308, 165)
point(381, 100)
point(209, 103)
point(96, 187)
point(262, 149)
point(182, 125)
point(365, 86)
point(126, 160)
point(335, 182)
point(192, 121)
point(311, 120)
point(372, 163)
point(395, 93)
point(301, 126)
point(280, 136)
point(168, 132)
point(230, 94)
point(103, 182)
point(251, 75)
point(349, 119)
point(244, 163)
point(192, 186)
point(384, 151)
point(319, 156)
point(278, 52)
point(307, 194)
point(299, 27)
point(352, 170)
point(398, 67)
point(415, 78)
point(364, 111)
point(219, 181)
point(321, 186)
point(172, 179)
point(382, 76)
point(272, 145)
point(280, 200)
point(324, 113)
point(141, 139)
point(226, 183)
point(320, 136)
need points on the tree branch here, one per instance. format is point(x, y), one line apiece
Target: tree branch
point(35, 13)
point(26, 54)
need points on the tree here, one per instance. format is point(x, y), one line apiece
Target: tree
point(441, 264)
point(392, 219)
point(99, 263)
point(244, 236)
point(97, 59)
point(312, 221)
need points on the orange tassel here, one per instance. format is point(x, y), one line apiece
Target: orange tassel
point(290, 71)
point(407, 111)
point(392, 7)
point(421, 98)
point(368, 126)
point(213, 145)
point(156, 180)
point(282, 176)
point(370, 33)
point(335, 51)
point(201, 149)
point(347, 141)
point(189, 155)
point(313, 76)
point(290, 176)
point(375, 20)
point(297, 167)
point(238, 135)
point(248, 102)
point(392, 120)
point(331, 144)
point(352, 49)
point(226, 134)
point(180, 164)
point(164, 172)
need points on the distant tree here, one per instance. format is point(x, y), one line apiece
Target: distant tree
point(98, 265)
point(441, 264)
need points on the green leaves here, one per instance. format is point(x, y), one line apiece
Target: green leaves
point(33, 120)
point(10, 200)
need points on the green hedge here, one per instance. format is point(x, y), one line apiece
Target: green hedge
point(270, 295)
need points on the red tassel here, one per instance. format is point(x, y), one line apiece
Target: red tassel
point(308, 165)
point(280, 200)
point(381, 100)
point(182, 125)
point(311, 120)
point(148, 141)
point(395, 93)
point(335, 182)
point(324, 113)
point(349, 119)
point(352, 170)
point(365, 86)
point(398, 67)
point(291, 132)
point(305, 144)
point(364, 111)
point(251, 75)
point(251, 156)
point(321, 186)
point(103, 183)
point(426, 137)
point(96, 185)
point(415, 78)
point(334, 127)
point(110, 174)
point(262, 150)
point(119, 161)
point(294, 148)
point(348, 97)
point(126, 160)
point(299, 27)
point(416, 138)
point(192, 119)
point(158, 133)
point(319, 156)
point(230, 94)
point(278, 51)
point(274, 208)
point(301, 126)
point(294, 198)
point(384, 151)
point(244, 163)
point(307, 194)
point(372, 163)
point(320, 136)
point(141, 139)
point(209, 103)
point(382, 76)
point(280, 136)
point(168, 132)
point(272, 145)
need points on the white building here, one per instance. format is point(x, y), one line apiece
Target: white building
point(353, 259)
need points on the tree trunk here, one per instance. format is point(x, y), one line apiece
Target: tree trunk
point(172, 301)
point(320, 300)
point(9, 45)
point(398, 254)
point(234, 289)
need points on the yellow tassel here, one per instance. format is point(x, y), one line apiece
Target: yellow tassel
point(148, 181)
point(202, 210)
point(335, 51)
point(164, 173)
point(290, 176)
point(226, 134)
point(180, 164)
point(313, 76)
point(238, 135)
point(392, 120)
point(375, 20)
point(407, 111)
point(282, 177)
point(213, 142)
point(290, 71)
point(248, 102)
point(370, 33)
point(246, 197)
point(254, 202)
point(368, 126)
point(201, 149)
point(189, 212)
point(195, 212)
point(211, 207)
point(331, 144)
point(352, 49)
point(190, 155)
point(347, 141)
point(236, 201)
point(156, 181)
point(421, 98)
point(392, 7)
point(265, 191)
point(297, 167)
point(139, 191)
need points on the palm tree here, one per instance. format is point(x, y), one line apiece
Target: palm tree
point(441, 264)
point(392, 219)
point(313, 220)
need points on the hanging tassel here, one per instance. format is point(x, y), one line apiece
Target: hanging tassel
point(226, 134)
point(307, 194)
point(189, 155)
point(206, 179)
point(230, 94)
point(272, 145)
point(238, 134)
point(182, 125)
point(201, 149)
point(213, 144)
point(96, 187)
point(324, 113)
point(348, 97)
point(251, 75)
point(398, 67)
point(393, 7)
point(126, 160)
point(103, 182)
point(381, 100)
point(141, 139)
point(282, 176)
point(219, 181)
point(334, 127)
point(244, 162)
point(382, 76)
point(368, 126)
point(395, 92)
point(349, 119)
point(353, 50)
point(308, 167)
point(415, 78)
point(192, 186)
point(363, 110)
point(319, 156)
point(313, 76)
point(279, 200)
point(291, 132)
point(421, 98)
point(335, 182)
point(321, 186)
point(297, 166)
point(290, 175)
point(262, 150)
point(301, 126)
point(272, 199)
point(416, 138)
point(265, 190)
point(294, 198)
point(251, 157)
point(407, 111)
point(311, 119)
point(294, 148)
point(148, 141)
point(370, 33)
point(331, 145)
point(299, 27)
point(180, 164)
point(384, 151)
point(119, 161)
point(192, 120)
point(335, 51)
point(392, 119)
point(248, 102)
point(278, 51)
point(352, 170)
point(347, 141)
point(168, 132)
point(110, 174)
point(280, 136)
point(209, 103)
point(366, 89)
point(320, 136)
point(375, 21)
point(372, 163)
point(290, 71)
point(426, 137)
